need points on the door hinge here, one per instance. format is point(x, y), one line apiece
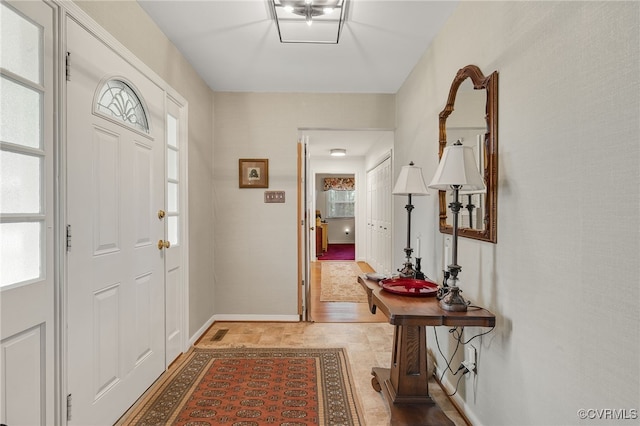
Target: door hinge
point(69, 407)
point(68, 66)
point(68, 237)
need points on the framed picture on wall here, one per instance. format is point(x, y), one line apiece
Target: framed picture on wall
point(253, 173)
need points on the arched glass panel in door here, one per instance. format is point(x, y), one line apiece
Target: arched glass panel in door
point(118, 100)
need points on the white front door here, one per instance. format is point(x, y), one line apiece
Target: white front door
point(27, 217)
point(115, 265)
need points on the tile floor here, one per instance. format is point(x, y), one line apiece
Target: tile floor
point(367, 345)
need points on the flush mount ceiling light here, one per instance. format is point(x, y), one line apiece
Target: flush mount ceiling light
point(309, 21)
point(338, 152)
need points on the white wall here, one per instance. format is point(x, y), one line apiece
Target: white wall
point(255, 243)
point(563, 277)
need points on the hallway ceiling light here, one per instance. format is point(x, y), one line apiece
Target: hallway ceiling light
point(309, 21)
point(338, 152)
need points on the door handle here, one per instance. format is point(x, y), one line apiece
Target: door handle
point(163, 244)
point(312, 228)
point(161, 214)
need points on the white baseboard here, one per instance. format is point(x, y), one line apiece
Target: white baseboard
point(201, 331)
point(240, 317)
point(457, 399)
point(252, 317)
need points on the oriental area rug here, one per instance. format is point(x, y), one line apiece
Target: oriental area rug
point(339, 283)
point(252, 387)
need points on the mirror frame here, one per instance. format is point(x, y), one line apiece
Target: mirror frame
point(490, 85)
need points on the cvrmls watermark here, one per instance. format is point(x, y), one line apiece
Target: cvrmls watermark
point(608, 413)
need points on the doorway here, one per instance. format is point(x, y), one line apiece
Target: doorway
point(364, 150)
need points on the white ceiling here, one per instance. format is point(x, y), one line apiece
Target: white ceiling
point(234, 45)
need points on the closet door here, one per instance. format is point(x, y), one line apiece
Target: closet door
point(385, 203)
point(379, 217)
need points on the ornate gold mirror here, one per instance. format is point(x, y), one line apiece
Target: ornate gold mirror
point(475, 123)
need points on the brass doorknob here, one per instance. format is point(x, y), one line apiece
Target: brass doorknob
point(163, 244)
point(161, 214)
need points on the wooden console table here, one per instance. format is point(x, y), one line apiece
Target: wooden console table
point(405, 383)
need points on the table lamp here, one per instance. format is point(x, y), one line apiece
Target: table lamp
point(457, 171)
point(410, 182)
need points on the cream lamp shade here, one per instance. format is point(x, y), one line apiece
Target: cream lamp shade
point(458, 167)
point(410, 181)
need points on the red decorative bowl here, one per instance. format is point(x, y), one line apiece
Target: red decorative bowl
point(410, 287)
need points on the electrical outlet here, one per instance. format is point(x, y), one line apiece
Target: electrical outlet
point(471, 360)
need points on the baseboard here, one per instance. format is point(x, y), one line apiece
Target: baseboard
point(257, 318)
point(456, 400)
point(239, 317)
point(193, 339)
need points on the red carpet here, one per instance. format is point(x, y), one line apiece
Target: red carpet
point(339, 252)
point(253, 387)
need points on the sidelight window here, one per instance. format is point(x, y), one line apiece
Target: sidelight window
point(22, 152)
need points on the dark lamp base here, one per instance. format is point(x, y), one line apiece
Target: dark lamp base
point(453, 301)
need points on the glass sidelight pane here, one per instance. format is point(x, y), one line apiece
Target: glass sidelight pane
point(20, 121)
point(172, 195)
point(20, 183)
point(172, 230)
point(172, 164)
point(20, 252)
point(20, 45)
point(172, 131)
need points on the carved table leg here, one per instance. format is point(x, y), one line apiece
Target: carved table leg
point(405, 384)
point(408, 381)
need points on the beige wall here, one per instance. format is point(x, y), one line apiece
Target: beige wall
point(130, 25)
point(563, 277)
point(255, 243)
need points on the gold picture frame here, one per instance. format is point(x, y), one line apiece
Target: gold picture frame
point(253, 173)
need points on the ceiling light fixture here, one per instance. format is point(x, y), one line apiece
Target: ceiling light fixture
point(338, 152)
point(328, 16)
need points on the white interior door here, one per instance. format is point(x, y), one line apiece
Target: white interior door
point(379, 217)
point(384, 191)
point(115, 267)
point(27, 213)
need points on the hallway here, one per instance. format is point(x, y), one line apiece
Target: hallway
point(339, 311)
